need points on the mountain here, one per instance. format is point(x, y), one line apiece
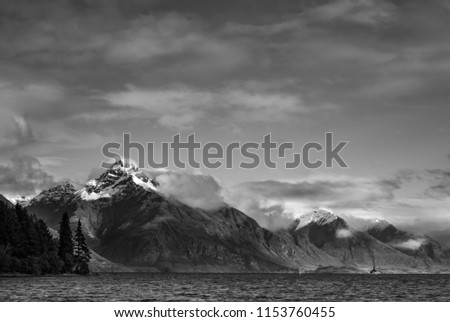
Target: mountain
point(6, 201)
point(419, 246)
point(441, 236)
point(50, 204)
point(332, 235)
point(98, 263)
point(129, 222)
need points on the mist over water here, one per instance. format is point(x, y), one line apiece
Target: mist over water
point(226, 287)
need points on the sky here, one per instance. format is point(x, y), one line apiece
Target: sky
point(75, 75)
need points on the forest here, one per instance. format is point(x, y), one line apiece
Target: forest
point(28, 247)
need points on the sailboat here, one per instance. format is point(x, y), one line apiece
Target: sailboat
point(374, 270)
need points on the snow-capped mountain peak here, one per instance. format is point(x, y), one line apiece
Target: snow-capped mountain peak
point(57, 192)
point(21, 200)
point(115, 180)
point(321, 217)
point(379, 224)
point(61, 193)
point(125, 165)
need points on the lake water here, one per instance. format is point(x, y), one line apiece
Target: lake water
point(226, 287)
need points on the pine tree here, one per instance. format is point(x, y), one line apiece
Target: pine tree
point(65, 249)
point(26, 245)
point(82, 254)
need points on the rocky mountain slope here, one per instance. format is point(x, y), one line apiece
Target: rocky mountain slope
point(6, 201)
point(332, 235)
point(129, 222)
point(419, 246)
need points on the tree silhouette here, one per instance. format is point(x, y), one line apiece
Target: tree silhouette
point(26, 245)
point(65, 249)
point(82, 254)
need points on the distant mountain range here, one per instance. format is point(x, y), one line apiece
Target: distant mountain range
point(131, 226)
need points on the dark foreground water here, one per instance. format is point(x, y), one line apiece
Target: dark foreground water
point(226, 287)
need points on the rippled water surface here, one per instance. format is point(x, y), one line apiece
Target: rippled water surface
point(226, 287)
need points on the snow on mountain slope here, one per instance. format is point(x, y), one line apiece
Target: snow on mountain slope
point(21, 200)
point(320, 217)
point(127, 220)
point(6, 201)
point(114, 181)
point(417, 245)
point(332, 235)
point(59, 192)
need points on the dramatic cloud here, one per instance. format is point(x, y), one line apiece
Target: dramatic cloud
point(274, 204)
point(183, 107)
point(78, 74)
point(23, 175)
point(195, 190)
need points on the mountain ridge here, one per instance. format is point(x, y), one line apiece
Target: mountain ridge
point(128, 221)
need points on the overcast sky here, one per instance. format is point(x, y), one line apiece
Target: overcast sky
point(77, 74)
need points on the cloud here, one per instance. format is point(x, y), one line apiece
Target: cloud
point(343, 233)
point(195, 190)
point(28, 97)
point(412, 244)
point(155, 36)
point(151, 37)
point(23, 131)
point(43, 118)
point(19, 134)
point(348, 190)
point(364, 12)
point(438, 183)
point(108, 34)
point(274, 204)
point(51, 161)
point(270, 215)
point(288, 25)
point(24, 175)
point(379, 65)
point(172, 108)
point(185, 106)
point(56, 33)
point(359, 223)
point(103, 45)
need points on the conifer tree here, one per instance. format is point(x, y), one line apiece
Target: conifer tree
point(82, 254)
point(26, 245)
point(65, 249)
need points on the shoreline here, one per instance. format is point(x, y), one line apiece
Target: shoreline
point(17, 275)
point(6, 275)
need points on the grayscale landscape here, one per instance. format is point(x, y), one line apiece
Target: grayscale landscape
point(169, 150)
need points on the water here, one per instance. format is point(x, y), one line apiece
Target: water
point(226, 287)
